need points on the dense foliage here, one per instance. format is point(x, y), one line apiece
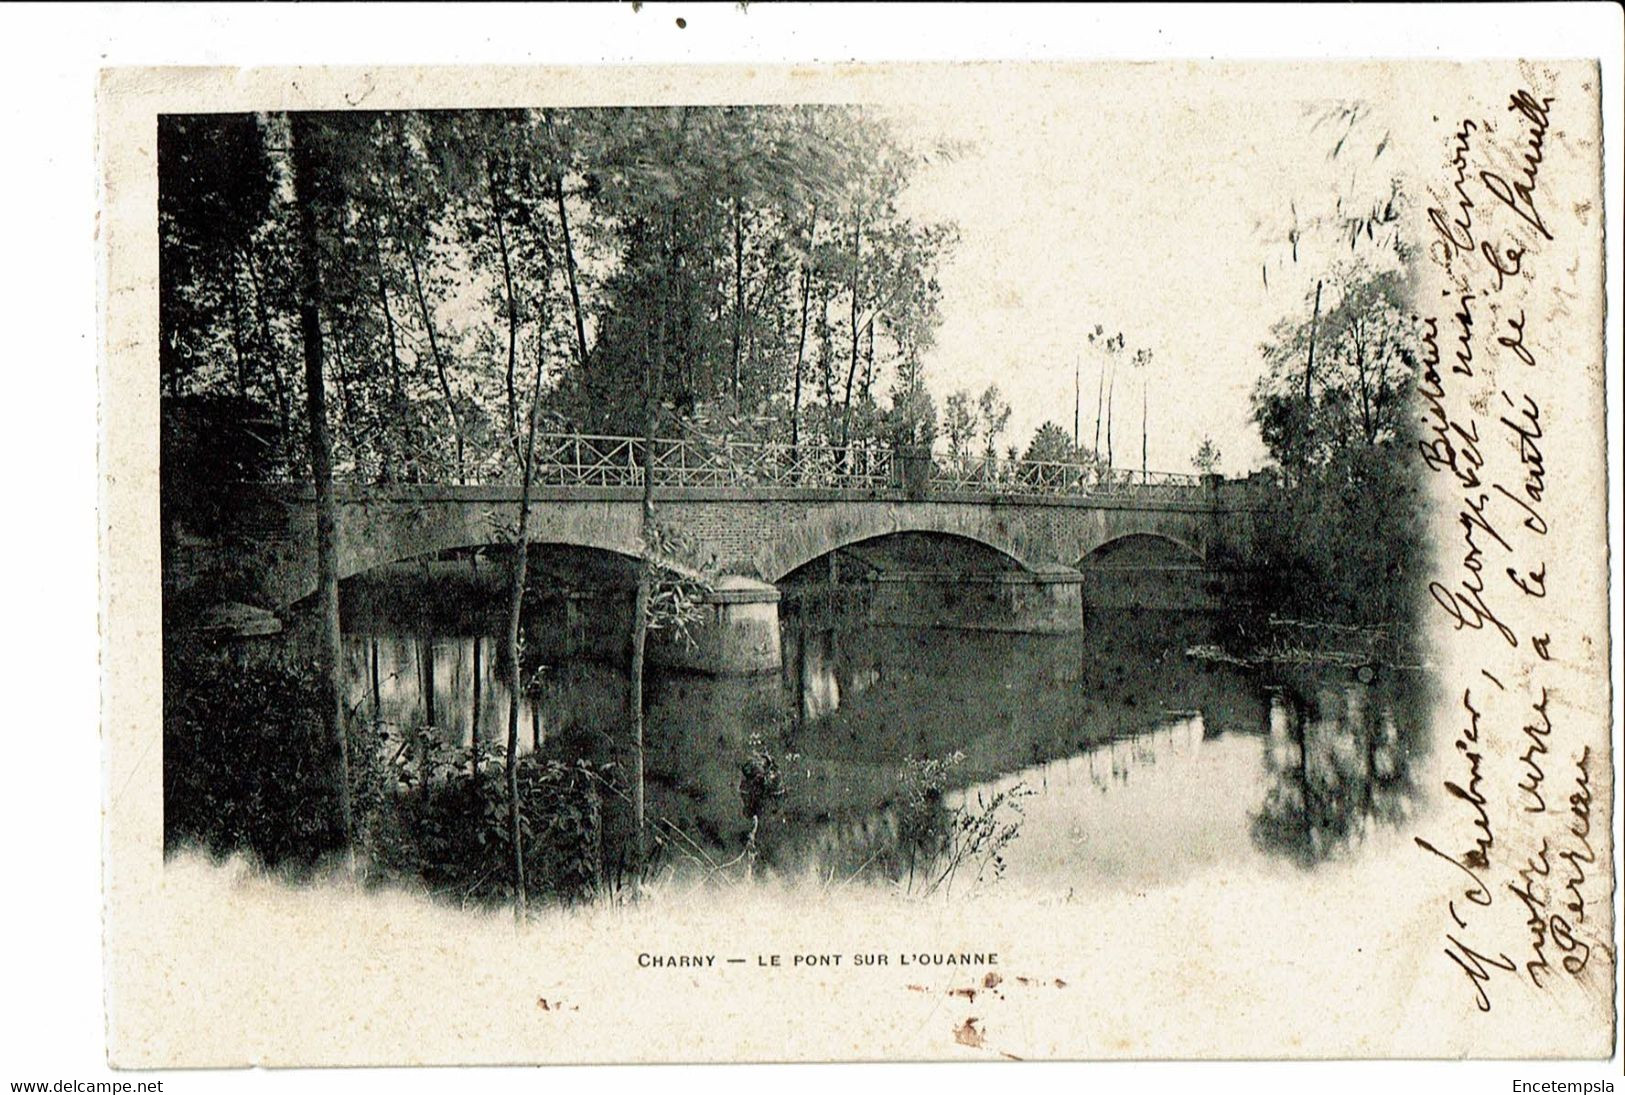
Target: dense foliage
point(246, 764)
point(1347, 543)
point(748, 268)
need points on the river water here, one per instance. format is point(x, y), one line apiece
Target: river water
point(934, 759)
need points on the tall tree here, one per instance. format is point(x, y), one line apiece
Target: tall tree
point(516, 606)
point(1114, 347)
point(1100, 384)
point(216, 186)
point(1077, 400)
point(560, 155)
point(411, 229)
point(307, 169)
point(1347, 540)
point(1050, 445)
point(995, 416)
point(801, 330)
point(959, 423)
point(1207, 457)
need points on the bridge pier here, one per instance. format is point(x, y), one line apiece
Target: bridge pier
point(1047, 600)
point(738, 636)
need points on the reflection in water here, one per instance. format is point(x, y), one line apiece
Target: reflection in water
point(1148, 811)
point(1106, 760)
point(450, 683)
point(1338, 761)
point(820, 690)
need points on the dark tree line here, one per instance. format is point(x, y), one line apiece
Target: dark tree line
point(1334, 410)
point(755, 258)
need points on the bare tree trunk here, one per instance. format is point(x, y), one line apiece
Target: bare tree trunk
point(426, 668)
point(826, 360)
point(389, 315)
point(654, 375)
point(640, 631)
point(321, 473)
point(516, 603)
point(1111, 389)
point(1308, 377)
point(439, 359)
point(346, 404)
point(801, 356)
point(801, 339)
point(570, 273)
point(1077, 403)
point(753, 308)
point(1145, 464)
point(852, 367)
point(406, 246)
point(268, 354)
point(394, 349)
point(739, 297)
point(569, 248)
point(1100, 402)
point(474, 717)
point(868, 359)
point(512, 306)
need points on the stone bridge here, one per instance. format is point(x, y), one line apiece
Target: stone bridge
point(1008, 560)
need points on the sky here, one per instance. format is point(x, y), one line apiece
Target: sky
point(1149, 215)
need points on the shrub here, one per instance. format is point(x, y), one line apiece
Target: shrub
point(246, 763)
point(455, 834)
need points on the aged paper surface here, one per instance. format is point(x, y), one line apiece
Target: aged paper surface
point(1375, 847)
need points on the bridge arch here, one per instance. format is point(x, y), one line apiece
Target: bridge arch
point(1143, 549)
point(586, 561)
point(376, 535)
point(832, 528)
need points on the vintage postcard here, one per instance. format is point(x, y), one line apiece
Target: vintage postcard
point(898, 562)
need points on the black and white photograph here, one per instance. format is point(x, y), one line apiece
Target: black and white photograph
point(1002, 561)
point(583, 475)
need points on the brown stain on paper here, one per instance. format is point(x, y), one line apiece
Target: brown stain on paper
point(966, 1034)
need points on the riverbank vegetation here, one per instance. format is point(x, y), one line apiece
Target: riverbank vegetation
point(1344, 550)
point(1345, 544)
point(248, 772)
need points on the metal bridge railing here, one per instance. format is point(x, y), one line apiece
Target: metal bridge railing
point(588, 461)
point(1046, 478)
point(580, 460)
